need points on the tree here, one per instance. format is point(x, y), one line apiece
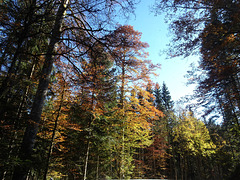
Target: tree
point(210, 27)
point(97, 86)
point(193, 140)
point(166, 98)
point(36, 110)
point(129, 56)
point(162, 131)
point(157, 95)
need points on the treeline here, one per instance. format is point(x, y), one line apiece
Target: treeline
point(77, 100)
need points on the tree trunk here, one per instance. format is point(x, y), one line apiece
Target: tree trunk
point(21, 172)
point(53, 135)
point(8, 82)
point(22, 36)
point(97, 173)
point(24, 97)
point(86, 160)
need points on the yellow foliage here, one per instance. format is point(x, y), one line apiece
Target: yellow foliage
point(193, 136)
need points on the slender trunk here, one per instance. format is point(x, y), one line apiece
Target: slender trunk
point(21, 172)
point(90, 133)
point(53, 135)
point(86, 160)
point(111, 157)
point(201, 168)
point(19, 111)
point(13, 138)
point(121, 172)
point(175, 166)
point(173, 158)
point(97, 174)
point(186, 167)
point(182, 167)
point(154, 161)
point(122, 85)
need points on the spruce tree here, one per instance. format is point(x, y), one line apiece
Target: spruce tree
point(166, 98)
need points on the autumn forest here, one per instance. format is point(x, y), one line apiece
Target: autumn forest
point(78, 100)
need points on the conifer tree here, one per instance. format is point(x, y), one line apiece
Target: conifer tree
point(166, 98)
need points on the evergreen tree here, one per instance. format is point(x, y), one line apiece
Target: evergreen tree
point(166, 98)
point(157, 155)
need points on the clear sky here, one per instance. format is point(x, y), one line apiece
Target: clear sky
point(155, 33)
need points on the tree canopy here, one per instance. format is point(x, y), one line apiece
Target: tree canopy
point(77, 99)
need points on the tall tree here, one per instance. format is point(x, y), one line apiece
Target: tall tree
point(163, 147)
point(21, 44)
point(36, 111)
point(134, 71)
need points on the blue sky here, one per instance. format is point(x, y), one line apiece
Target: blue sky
point(155, 33)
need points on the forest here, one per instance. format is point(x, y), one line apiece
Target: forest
point(78, 100)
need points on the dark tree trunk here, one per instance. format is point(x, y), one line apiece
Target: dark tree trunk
point(21, 172)
point(7, 83)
